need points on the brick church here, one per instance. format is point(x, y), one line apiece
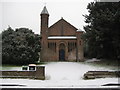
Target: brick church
point(61, 41)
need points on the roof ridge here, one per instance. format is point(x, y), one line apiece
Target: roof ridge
point(65, 21)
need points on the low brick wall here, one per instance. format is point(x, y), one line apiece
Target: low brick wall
point(39, 73)
point(101, 74)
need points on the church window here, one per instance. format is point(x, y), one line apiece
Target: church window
point(52, 46)
point(71, 46)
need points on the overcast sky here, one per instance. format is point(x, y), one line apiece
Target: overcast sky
point(26, 13)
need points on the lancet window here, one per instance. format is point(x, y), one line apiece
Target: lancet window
point(52, 46)
point(71, 46)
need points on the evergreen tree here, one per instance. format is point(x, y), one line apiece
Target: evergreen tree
point(102, 35)
point(20, 46)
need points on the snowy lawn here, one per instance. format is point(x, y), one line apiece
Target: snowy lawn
point(65, 74)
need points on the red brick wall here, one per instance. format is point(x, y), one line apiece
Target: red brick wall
point(38, 74)
point(62, 28)
point(54, 56)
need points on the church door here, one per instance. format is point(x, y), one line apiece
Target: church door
point(61, 55)
point(62, 52)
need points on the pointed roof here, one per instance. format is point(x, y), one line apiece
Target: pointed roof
point(63, 21)
point(44, 11)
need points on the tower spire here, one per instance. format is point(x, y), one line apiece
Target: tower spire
point(44, 11)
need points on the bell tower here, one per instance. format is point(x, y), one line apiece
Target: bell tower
point(44, 25)
point(44, 31)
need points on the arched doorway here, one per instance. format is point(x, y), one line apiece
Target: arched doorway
point(62, 52)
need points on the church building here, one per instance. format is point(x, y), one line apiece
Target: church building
point(61, 41)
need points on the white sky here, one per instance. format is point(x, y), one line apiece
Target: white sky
point(26, 13)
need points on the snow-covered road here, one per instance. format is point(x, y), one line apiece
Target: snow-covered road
point(64, 74)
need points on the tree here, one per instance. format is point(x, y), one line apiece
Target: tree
point(20, 46)
point(102, 32)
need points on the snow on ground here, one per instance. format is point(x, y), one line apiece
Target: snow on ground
point(93, 60)
point(68, 70)
point(64, 74)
